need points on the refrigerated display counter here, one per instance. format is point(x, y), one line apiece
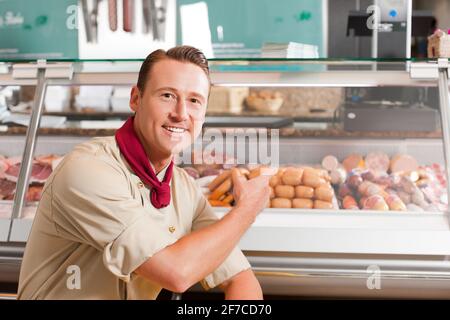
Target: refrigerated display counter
point(316, 251)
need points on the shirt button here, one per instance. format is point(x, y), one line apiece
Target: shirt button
point(172, 229)
point(140, 185)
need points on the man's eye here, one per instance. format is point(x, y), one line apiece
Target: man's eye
point(168, 96)
point(194, 100)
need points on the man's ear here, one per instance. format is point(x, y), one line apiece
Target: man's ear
point(135, 98)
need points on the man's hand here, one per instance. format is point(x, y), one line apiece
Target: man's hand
point(253, 194)
point(243, 286)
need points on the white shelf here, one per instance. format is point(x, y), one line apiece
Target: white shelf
point(347, 232)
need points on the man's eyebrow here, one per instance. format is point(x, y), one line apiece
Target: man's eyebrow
point(193, 93)
point(167, 88)
point(198, 95)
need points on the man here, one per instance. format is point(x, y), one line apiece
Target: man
point(118, 221)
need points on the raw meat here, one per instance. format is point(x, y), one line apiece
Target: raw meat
point(7, 189)
point(12, 173)
point(39, 172)
point(34, 193)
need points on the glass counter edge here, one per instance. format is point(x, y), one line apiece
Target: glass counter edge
point(228, 60)
point(227, 65)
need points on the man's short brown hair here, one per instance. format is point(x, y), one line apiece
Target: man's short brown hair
point(186, 54)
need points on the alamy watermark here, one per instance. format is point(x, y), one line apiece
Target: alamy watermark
point(73, 281)
point(374, 280)
point(232, 147)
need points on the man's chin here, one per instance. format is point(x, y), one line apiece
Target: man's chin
point(168, 149)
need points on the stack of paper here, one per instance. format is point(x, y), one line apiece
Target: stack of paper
point(289, 50)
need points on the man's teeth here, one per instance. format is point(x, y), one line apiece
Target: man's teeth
point(176, 130)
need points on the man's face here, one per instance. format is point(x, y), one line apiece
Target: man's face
point(171, 111)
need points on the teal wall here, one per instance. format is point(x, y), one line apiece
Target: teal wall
point(39, 29)
point(254, 22)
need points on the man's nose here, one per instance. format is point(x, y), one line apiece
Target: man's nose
point(180, 112)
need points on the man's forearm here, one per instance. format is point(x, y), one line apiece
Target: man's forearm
point(186, 257)
point(243, 286)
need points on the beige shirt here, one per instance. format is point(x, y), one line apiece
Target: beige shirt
point(95, 225)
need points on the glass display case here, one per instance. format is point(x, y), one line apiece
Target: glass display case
point(362, 148)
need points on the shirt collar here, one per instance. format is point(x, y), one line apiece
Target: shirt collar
point(162, 173)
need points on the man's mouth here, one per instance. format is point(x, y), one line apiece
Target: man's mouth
point(174, 129)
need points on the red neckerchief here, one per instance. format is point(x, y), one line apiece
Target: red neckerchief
point(131, 148)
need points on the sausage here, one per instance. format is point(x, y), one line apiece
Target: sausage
point(244, 172)
point(368, 175)
point(280, 203)
point(404, 196)
point(285, 191)
point(323, 174)
point(353, 161)
point(112, 14)
point(338, 176)
point(217, 203)
point(274, 181)
point(372, 189)
point(330, 163)
point(324, 193)
point(312, 179)
point(422, 183)
point(344, 190)
point(407, 185)
point(362, 188)
point(292, 176)
point(417, 197)
point(254, 173)
point(319, 204)
point(349, 203)
point(302, 203)
point(378, 162)
point(395, 203)
point(403, 163)
point(219, 180)
point(280, 172)
point(385, 180)
point(304, 192)
point(362, 202)
point(228, 199)
point(128, 11)
point(376, 202)
point(354, 181)
point(221, 190)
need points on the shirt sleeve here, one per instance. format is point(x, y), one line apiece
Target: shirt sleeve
point(234, 263)
point(93, 203)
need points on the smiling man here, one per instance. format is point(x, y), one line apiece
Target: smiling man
point(117, 219)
